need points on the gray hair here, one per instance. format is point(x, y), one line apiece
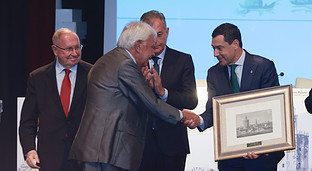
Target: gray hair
point(149, 16)
point(133, 32)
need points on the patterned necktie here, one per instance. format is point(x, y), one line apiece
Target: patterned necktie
point(65, 92)
point(234, 82)
point(156, 66)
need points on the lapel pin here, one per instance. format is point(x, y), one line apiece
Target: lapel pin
point(251, 71)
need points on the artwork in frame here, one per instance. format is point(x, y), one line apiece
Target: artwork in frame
point(260, 120)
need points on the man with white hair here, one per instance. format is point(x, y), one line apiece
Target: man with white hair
point(111, 135)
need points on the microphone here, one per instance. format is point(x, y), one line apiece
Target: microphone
point(281, 74)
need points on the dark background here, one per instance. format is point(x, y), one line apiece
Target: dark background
point(26, 28)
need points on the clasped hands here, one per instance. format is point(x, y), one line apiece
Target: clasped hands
point(190, 119)
point(153, 79)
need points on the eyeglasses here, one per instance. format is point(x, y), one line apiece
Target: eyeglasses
point(71, 49)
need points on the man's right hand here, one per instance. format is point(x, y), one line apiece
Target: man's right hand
point(148, 76)
point(190, 119)
point(32, 159)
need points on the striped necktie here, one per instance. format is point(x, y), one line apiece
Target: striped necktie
point(156, 66)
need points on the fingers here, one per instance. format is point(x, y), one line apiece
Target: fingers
point(148, 76)
point(251, 155)
point(32, 159)
point(145, 70)
point(159, 89)
point(190, 119)
point(190, 123)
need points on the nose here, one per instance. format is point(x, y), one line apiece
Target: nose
point(74, 52)
point(216, 53)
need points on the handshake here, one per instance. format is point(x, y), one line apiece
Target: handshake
point(190, 119)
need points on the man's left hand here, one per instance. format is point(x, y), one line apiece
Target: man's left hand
point(252, 155)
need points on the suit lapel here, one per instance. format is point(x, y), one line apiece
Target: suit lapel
point(80, 86)
point(166, 63)
point(248, 72)
point(224, 80)
point(51, 80)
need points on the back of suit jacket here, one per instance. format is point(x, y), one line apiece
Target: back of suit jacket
point(177, 76)
point(42, 104)
point(113, 126)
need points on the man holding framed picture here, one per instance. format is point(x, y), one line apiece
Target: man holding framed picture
point(237, 71)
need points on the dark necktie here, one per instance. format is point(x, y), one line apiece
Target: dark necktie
point(65, 92)
point(234, 81)
point(156, 66)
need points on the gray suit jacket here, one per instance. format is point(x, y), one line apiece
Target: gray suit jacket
point(113, 126)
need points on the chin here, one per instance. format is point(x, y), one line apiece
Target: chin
point(222, 63)
point(157, 51)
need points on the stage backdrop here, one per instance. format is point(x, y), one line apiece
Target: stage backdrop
point(201, 144)
point(276, 29)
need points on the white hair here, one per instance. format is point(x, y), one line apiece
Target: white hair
point(133, 32)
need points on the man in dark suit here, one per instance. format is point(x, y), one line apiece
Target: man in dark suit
point(253, 72)
point(45, 114)
point(166, 145)
point(112, 132)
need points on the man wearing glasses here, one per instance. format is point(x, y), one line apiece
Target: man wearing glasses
point(54, 105)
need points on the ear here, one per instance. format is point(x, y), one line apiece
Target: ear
point(235, 43)
point(138, 45)
point(167, 31)
point(54, 49)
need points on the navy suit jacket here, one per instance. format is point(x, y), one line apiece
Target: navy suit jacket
point(43, 104)
point(258, 72)
point(177, 76)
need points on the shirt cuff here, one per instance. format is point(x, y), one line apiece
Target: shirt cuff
point(202, 124)
point(165, 96)
point(181, 115)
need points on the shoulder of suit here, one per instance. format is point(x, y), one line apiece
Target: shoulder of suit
point(115, 54)
point(257, 58)
point(43, 69)
point(176, 52)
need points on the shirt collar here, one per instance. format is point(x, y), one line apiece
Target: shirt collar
point(130, 55)
point(162, 54)
point(241, 59)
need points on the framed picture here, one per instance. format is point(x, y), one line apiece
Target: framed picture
point(260, 120)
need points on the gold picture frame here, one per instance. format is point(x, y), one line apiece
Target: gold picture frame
point(260, 120)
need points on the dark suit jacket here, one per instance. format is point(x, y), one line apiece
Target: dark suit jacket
point(308, 102)
point(113, 126)
point(43, 103)
point(177, 76)
point(258, 72)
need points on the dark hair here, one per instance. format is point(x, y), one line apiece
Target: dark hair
point(230, 33)
point(148, 16)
